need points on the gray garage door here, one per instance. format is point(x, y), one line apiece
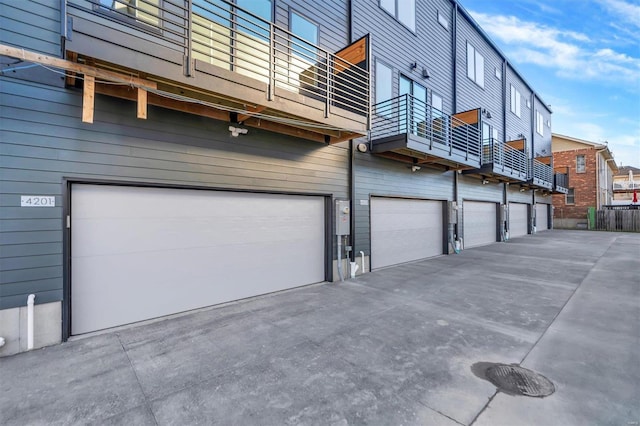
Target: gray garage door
point(542, 217)
point(480, 223)
point(518, 222)
point(404, 230)
point(141, 253)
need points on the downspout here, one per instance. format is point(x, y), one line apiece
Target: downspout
point(63, 27)
point(505, 186)
point(598, 201)
point(455, 231)
point(454, 43)
point(30, 301)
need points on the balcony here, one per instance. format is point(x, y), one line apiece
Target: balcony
point(409, 130)
point(541, 176)
point(625, 185)
point(501, 163)
point(561, 180)
point(213, 58)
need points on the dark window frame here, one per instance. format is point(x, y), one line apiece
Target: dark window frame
point(396, 16)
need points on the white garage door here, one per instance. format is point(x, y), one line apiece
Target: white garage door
point(518, 222)
point(404, 230)
point(542, 217)
point(141, 253)
point(480, 223)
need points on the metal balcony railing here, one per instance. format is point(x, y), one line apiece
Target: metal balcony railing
point(561, 180)
point(626, 185)
point(408, 115)
point(220, 33)
point(504, 157)
point(542, 172)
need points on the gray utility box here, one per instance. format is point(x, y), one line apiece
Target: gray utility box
point(343, 217)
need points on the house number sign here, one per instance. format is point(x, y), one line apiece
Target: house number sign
point(37, 201)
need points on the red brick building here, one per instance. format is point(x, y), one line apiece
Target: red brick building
point(590, 167)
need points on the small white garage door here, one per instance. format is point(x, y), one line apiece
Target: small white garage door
point(518, 220)
point(542, 217)
point(141, 253)
point(479, 222)
point(404, 230)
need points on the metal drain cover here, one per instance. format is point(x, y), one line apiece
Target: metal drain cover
point(515, 380)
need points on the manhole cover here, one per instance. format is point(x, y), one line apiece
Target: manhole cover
point(514, 380)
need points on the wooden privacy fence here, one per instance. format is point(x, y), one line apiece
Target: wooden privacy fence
point(618, 220)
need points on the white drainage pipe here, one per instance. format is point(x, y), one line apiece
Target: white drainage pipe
point(353, 269)
point(30, 301)
point(364, 269)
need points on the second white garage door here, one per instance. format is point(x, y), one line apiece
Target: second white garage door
point(480, 223)
point(518, 220)
point(542, 217)
point(141, 253)
point(404, 230)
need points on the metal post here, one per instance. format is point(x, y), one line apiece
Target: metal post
point(327, 101)
point(272, 62)
point(187, 68)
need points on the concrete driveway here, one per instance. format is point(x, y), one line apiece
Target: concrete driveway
point(391, 347)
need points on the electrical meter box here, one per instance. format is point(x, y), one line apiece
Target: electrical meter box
point(503, 213)
point(453, 212)
point(343, 217)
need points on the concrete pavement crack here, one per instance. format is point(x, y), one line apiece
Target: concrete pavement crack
point(146, 399)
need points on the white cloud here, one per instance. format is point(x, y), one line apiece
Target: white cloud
point(571, 53)
point(627, 12)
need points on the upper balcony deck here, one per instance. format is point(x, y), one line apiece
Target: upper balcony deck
point(501, 162)
point(232, 64)
point(541, 176)
point(408, 129)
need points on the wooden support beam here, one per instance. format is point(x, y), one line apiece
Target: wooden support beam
point(284, 129)
point(70, 78)
point(142, 104)
point(251, 111)
point(88, 98)
point(124, 92)
point(38, 58)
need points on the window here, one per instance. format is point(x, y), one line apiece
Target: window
point(417, 104)
point(436, 102)
point(304, 28)
point(384, 78)
point(539, 123)
point(570, 198)
point(403, 10)
point(383, 82)
point(475, 65)
point(528, 103)
point(498, 73)
point(515, 101)
point(147, 11)
point(442, 20)
point(581, 166)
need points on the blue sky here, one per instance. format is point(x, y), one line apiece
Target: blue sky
point(582, 57)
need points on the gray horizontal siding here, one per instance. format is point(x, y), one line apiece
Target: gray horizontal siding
point(332, 16)
point(398, 47)
point(469, 94)
point(44, 141)
point(543, 199)
point(31, 24)
point(542, 144)
point(517, 125)
point(514, 195)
